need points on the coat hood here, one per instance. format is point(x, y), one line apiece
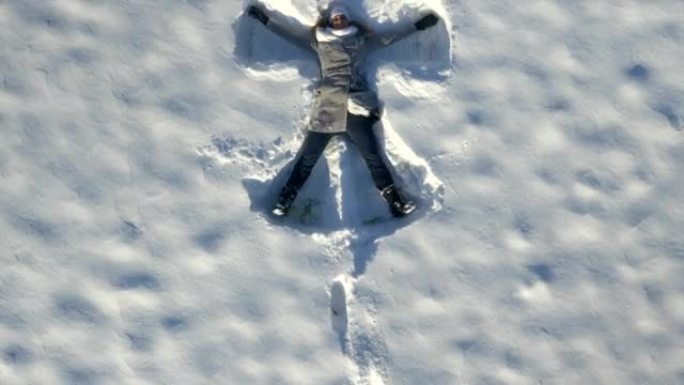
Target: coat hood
point(337, 10)
point(336, 7)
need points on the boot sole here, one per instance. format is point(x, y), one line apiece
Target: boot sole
point(400, 214)
point(278, 212)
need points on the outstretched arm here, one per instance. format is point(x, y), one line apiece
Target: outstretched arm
point(296, 34)
point(388, 38)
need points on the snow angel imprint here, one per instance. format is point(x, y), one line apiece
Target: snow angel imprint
point(343, 103)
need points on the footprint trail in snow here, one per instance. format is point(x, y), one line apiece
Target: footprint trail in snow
point(364, 350)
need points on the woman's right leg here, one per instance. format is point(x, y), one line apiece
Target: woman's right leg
point(312, 148)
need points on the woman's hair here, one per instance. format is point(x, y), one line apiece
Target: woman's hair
point(323, 21)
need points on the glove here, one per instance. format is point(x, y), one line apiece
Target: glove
point(257, 13)
point(427, 21)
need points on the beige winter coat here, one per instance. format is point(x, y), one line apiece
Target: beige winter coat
point(342, 76)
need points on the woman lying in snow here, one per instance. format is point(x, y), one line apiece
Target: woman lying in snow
point(343, 102)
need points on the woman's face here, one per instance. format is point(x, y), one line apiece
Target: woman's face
point(339, 22)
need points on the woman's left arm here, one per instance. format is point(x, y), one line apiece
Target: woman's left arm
point(388, 38)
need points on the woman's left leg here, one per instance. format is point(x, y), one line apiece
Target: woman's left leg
point(360, 130)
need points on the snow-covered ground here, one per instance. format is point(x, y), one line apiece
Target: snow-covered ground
point(141, 142)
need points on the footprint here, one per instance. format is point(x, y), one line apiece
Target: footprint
point(338, 305)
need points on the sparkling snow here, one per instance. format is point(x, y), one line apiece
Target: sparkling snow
point(142, 141)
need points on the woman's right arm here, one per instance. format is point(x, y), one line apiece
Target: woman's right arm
point(295, 33)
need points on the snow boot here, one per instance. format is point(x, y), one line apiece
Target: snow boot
point(399, 204)
point(285, 199)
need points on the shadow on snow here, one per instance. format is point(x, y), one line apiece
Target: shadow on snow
point(360, 210)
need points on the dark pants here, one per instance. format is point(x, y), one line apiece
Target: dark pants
point(360, 131)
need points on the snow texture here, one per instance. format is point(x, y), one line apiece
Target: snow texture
point(143, 142)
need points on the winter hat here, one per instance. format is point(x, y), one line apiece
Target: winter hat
point(338, 10)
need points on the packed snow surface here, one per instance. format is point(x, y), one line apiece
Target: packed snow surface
point(143, 141)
